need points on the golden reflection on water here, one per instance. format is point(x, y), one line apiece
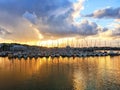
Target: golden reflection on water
point(98, 73)
point(92, 73)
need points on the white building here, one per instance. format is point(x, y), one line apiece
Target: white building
point(18, 48)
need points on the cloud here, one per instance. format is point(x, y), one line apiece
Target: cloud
point(59, 27)
point(77, 7)
point(3, 31)
point(13, 11)
point(116, 31)
point(87, 28)
point(40, 7)
point(32, 17)
point(111, 33)
point(110, 12)
point(33, 20)
point(24, 32)
point(17, 28)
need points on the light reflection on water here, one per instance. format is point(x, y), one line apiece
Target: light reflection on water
point(92, 73)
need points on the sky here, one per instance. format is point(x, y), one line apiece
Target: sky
point(36, 21)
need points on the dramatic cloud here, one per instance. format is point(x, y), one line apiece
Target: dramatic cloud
point(47, 12)
point(17, 29)
point(35, 20)
point(106, 13)
point(87, 28)
point(63, 27)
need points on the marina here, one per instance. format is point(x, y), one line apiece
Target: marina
point(59, 44)
point(23, 51)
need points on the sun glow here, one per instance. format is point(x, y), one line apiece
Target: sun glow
point(83, 42)
point(57, 43)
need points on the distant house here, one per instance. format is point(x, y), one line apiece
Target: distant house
point(18, 48)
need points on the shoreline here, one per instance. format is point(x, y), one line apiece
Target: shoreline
point(25, 51)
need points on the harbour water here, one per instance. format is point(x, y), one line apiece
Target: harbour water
point(90, 73)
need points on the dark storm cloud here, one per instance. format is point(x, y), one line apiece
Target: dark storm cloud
point(106, 13)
